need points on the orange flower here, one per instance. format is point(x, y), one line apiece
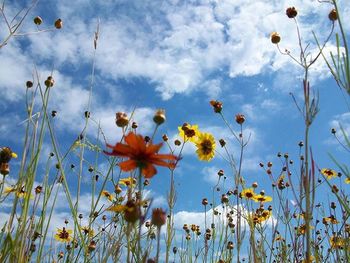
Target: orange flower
point(141, 155)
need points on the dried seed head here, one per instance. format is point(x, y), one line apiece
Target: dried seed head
point(29, 84)
point(121, 119)
point(275, 38)
point(240, 118)
point(49, 82)
point(204, 201)
point(217, 106)
point(38, 189)
point(222, 142)
point(159, 117)
point(291, 12)
point(37, 20)
point(165, 137)
point(333, 15)
point(134, 125)
point(333, 131)
point(58, 23)
point(177, 142)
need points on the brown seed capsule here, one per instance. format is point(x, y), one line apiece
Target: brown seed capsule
point(121, 119)
point(177, 142)
point(53, 113)
point(333, 131)
point(217, 106)
point(222, 142)
point(255, 185)
point(132, 213)
point(87, 114)
point(49, 82)
point(38, 189)
point(4, 168)
point(134, 125)
point(38, 20)
point(291, 12)
point(224, 199)
point(333, 15)
point(240, 118)
point(159, 117)
point(29, 84)
point(204, 201)
point(165, 137)
point(58, 23)
point(92, 245)
point(275, 38)
point(220, 173)
point(269, 164)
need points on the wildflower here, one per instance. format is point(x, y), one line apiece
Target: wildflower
point(329, 173)
point(87, 231)
point(248, 193)
point(240, 118)
point(311, 259)
point(131, 210)
point(222, 142)
point(217, 105)
point(108, 195)
point(121, 119)
point(188, 132)
point(159, 117)
point(336, 242)
point(331, 219)
point(261, 215)
point(129, 181)
point(158, 217)
point(205, 146)
point(141, 155)
point(275, 38)
point(92, 245)
point(347, 180)
point(279, 238)
point(63, 235)
point(301, 230)
point(20, 193)
point(291, 12)
point(262, 198)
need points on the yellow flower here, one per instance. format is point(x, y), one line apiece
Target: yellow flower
point(14, 155)
point(205, 146)
point(301, 230)
point(189, 132)
point(129, 181)
point(261, 216)
point(329, 173)
point(279, 238)
point(336, 241)
point(20, 193)
point(311, 259)
point(262, 198)
point(330, 219)
point(347, 180)
point(248, 193)
point(108, 195)
point(63, 235)
point(87, 231)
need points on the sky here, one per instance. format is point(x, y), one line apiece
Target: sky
point(175, 55)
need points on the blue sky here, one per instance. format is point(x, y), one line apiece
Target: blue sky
point(176, 55)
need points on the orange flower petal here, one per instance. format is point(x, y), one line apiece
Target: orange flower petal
point(149, 171)
point(153, 148)
point(136, 142)
point(128, 165)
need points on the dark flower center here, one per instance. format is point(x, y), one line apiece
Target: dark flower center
point(206, 147)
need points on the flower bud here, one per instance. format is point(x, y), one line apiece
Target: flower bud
point(29, 84)
point(58, 23)
point(159, 117)
point(38, 20)
point(49, 82)
point(333, 15)
point(275, 38)
point(240, 118)
point(121, 119)
point(217, 106)
point(291, 12)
